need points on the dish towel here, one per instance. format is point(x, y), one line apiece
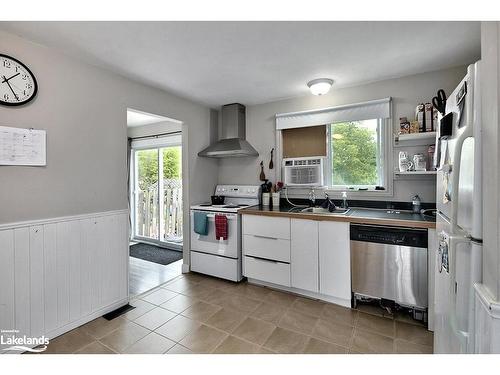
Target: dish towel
point(220, 227)
point(201, 223)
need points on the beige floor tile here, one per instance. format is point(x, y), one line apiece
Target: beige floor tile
point(407, 318)
point(263, 350)
point(286, 342)
point(193, 276)
point(374, 310)
point(315, 346)
point(376, 324)
point(339, 314)
point(233, 345)
point(336, 333)
point(214, 282)
point(203, 340)
point(280, 298)
point(159, 296)
point(226, 319)
point(405, 347)
point(100, 327)
point(239, 302)
point(179, 349)
point(297, 321)
point(369, 342)
point(141, 307)
point(178, 328)
point(181, 284)
point(198, 291)
point(155, 318)
point(253, 291)
point(123, 337)
point(179, 303)
point(201, 311)
point(150, 344)
point(269, 312)
point(308, 306)
point(95, 348)
point(69, 342)
point(413, 333)
point(216, 297)
point(254, 330)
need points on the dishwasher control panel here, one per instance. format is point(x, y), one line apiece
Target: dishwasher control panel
point(389, 235)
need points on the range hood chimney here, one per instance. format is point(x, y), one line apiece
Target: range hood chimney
point(232, 142)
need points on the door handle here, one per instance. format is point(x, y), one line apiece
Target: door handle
point(266, 237)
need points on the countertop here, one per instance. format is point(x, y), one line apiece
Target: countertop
point(355, 215)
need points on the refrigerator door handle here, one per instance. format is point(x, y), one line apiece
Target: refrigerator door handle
point(457, 155)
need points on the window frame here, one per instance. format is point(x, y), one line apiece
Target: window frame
point(383, 138)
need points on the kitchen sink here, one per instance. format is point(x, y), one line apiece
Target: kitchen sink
point(321, 210)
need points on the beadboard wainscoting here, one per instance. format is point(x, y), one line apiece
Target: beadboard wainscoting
point(58, 274)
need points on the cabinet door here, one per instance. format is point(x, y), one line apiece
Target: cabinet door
point(334, 260)
point(304, 255)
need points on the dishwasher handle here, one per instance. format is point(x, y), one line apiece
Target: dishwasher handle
point(389, 235)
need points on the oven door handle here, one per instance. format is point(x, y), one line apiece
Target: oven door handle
point(212, 216)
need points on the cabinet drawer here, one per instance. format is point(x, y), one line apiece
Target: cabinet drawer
point(266, 247)
point(267, 270)
point(275, 227)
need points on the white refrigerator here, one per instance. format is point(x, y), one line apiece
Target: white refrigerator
point(459, 219)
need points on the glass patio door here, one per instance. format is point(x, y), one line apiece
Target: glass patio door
point(158, 194)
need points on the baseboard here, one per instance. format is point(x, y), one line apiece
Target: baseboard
point(322, 297)
point(185, 268)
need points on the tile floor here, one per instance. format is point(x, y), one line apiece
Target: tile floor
point(198, 314)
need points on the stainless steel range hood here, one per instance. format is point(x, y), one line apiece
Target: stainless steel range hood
point(232, 142)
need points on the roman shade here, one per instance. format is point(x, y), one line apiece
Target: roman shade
point(373, 109)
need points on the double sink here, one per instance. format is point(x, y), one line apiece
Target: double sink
point(369, 213)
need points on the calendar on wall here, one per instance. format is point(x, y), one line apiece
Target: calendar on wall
point(23, 146)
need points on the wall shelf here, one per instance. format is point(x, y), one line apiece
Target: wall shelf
point(414, 139)
point(398, 174)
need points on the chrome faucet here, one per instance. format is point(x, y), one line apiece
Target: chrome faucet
point(312, 197)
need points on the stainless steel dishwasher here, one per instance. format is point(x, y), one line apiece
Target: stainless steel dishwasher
point(390, 264)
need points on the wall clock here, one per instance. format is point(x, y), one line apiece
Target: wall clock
point(17, 84)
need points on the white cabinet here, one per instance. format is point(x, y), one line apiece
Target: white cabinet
point(304, 255)
point(263, 226)
point(266, 249)
point(267, 270)
point(335, 260)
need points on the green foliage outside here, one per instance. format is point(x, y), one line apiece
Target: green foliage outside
point(354, 154)
point(148, 166)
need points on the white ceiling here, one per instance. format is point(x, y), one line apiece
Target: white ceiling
point(139, 118)
point(255, 62)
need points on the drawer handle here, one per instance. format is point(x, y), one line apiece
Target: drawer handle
point(266, 237)
point(265, 260)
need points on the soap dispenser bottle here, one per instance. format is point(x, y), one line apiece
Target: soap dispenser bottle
point(344, 200)
point(416, 204)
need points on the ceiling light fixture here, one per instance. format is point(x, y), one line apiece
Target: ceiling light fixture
point(320, 86)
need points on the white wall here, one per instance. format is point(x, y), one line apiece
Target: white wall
point(153, 129)
point(83, 108)
point(490, 82)
point(406, 92)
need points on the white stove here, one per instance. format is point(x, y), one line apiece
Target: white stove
point(217, 257)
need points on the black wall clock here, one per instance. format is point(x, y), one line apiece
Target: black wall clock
point(17, 84)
